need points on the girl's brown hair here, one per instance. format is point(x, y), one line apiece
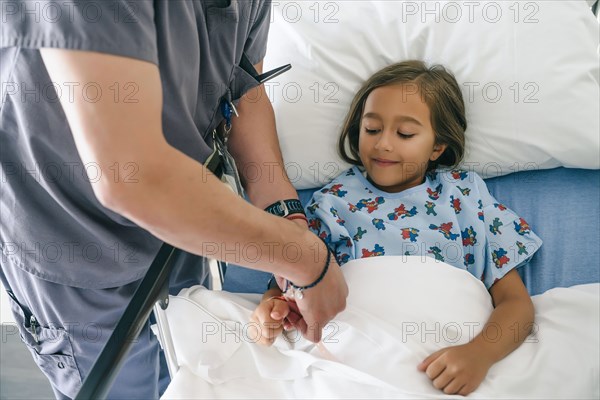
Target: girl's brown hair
point(441, 93)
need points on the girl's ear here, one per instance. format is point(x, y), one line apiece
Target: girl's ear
point(438, 150)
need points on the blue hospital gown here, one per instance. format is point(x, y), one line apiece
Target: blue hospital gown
point(451, 217)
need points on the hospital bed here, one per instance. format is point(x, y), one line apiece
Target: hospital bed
point(554, 186)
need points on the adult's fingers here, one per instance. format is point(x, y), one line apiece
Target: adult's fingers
point(323, 302)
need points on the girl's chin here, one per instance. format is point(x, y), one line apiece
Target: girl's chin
point(382, 182)
point(385, 176)
point(389, 183)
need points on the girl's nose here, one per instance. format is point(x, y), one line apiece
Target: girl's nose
point(384, 142)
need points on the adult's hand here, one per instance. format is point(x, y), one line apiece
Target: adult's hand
point(321, 303)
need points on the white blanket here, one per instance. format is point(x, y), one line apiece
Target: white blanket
point(400, 310)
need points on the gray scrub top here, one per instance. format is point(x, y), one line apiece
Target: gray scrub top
point(52, 225)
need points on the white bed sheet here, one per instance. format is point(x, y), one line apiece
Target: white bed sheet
point(400, 310)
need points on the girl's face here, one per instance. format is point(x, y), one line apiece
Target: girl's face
point(396, 140)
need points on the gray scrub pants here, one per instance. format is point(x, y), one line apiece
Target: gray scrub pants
point(71, 326)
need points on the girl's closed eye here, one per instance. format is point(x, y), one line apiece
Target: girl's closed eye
point(371, 131)
point(406, 135)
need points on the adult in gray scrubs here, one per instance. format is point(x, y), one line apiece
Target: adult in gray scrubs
point(107, 114)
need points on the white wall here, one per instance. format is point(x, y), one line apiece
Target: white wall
point(5, 313)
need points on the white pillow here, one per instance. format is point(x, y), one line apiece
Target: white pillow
point(529, 73)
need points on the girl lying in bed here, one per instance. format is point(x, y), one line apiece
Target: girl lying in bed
point(405, 123)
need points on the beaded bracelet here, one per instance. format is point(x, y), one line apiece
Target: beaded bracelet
point(297, 290)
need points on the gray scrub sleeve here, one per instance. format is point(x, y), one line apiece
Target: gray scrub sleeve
point(256, 44)
point(197, 44)
point(119, 27)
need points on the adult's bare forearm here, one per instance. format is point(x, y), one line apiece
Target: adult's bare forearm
point(255, 147)
point(179, 201)
point(172, 196)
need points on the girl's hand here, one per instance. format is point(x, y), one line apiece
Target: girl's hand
point(457, 369)
point(268, 320)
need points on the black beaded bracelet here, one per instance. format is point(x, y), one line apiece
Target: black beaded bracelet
point(299, 289)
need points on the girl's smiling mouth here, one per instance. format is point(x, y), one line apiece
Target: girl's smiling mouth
point(383, 162)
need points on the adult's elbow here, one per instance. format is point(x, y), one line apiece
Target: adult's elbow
point(135, 198)
point(120, 193)
point(112, 196)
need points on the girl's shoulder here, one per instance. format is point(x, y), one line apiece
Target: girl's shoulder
point(349, 179)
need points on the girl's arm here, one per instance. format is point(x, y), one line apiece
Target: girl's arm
point(510, 322)
point(461, 369)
